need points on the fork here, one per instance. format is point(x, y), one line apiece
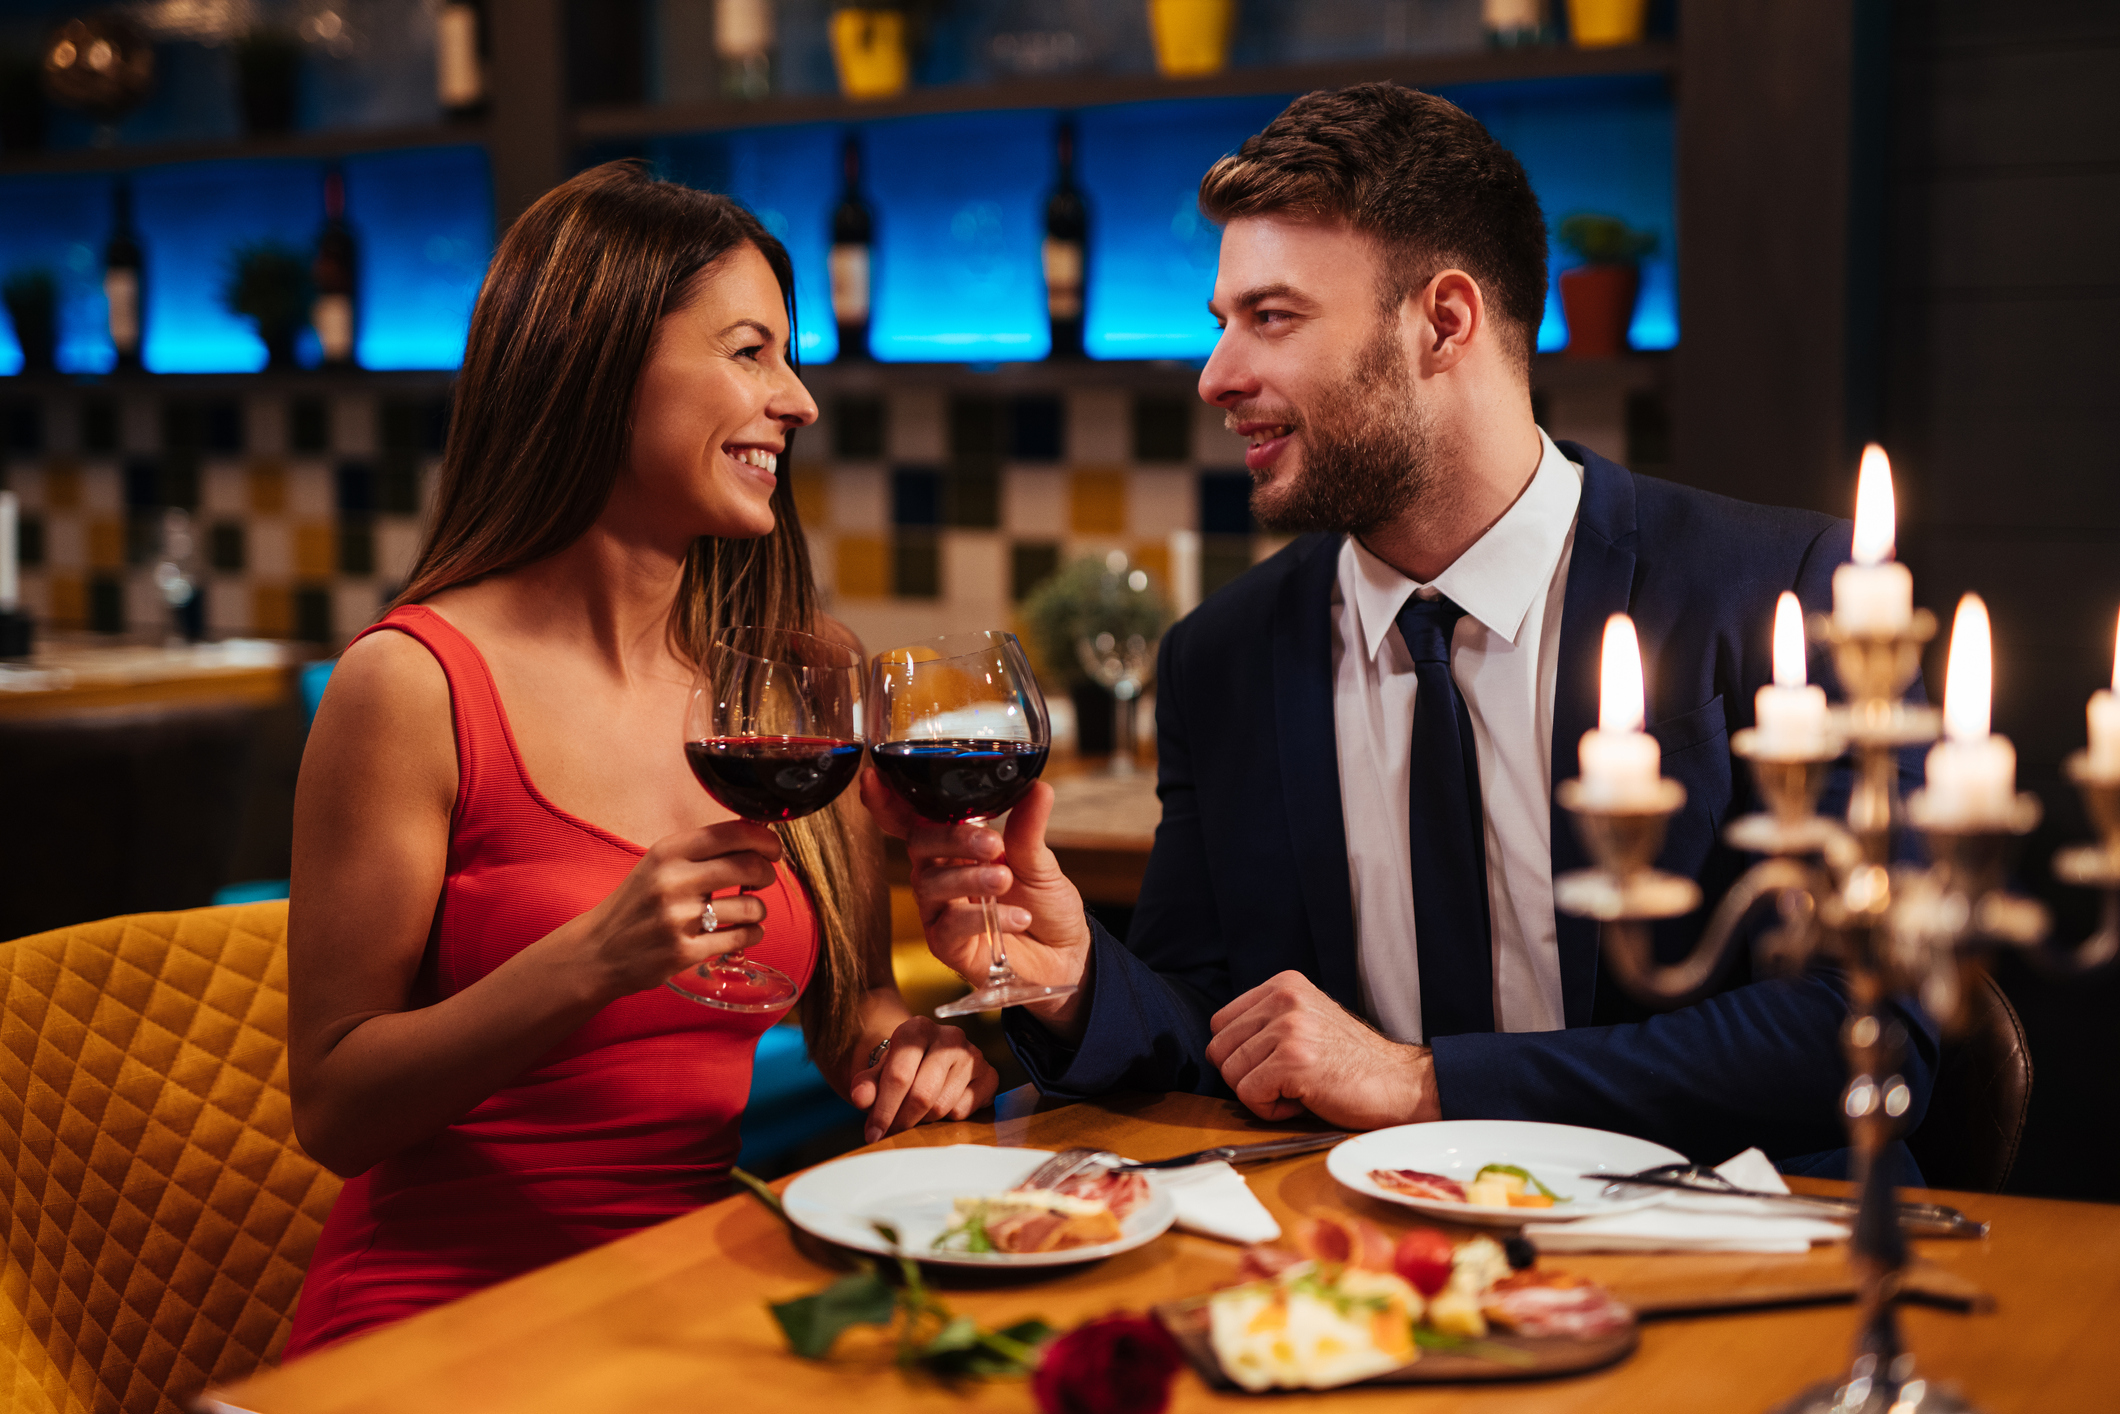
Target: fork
point(1061, 1167)
point(1924, 1219)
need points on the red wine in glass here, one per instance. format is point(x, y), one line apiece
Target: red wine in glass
point(773, 732)
point(959, 733)
point(774, 778)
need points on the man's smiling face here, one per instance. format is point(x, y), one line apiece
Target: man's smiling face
point(1311, 371)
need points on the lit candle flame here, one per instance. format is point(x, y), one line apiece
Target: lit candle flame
point(1788, 642)
point(1876, 515)
point(1619, 706)
point(1969, 681)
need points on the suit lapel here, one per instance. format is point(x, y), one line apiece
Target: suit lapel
point(1600, 584)
point(1310, 768)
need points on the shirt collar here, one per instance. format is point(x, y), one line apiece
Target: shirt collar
point(1498, 578)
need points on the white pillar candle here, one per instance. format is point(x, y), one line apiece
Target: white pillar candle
point(1791, 714)
point(1620, 761)
point(2105, 723)
point(10, 583)
point(1972, 773)
point(1874, 594)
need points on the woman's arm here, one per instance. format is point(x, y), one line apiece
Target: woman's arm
point(374, 1068)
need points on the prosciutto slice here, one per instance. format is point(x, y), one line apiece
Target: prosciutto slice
point(1120, 1192)
point(1539, 1304)
point(1415, 1184)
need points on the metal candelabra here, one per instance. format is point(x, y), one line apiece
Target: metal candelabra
point(1894, 929)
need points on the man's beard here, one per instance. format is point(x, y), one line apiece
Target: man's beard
point(1368, 451)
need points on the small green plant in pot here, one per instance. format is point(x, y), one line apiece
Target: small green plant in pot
point(1094, 626)
point(32, 299)
point(1598, 295)
point(268, 284)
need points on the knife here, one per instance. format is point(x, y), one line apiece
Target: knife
point(1239, 1153)
point(1918, 1219)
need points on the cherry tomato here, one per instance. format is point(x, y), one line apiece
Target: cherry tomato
point(1423, 1259)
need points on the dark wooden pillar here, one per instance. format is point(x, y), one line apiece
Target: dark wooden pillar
point(528, 134)
point(1761, 394)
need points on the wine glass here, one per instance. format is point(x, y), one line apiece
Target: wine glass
point(773, 731)
point(1123, 669)
point(958, 730)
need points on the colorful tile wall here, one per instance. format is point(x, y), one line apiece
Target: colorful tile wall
point(931, 507)
point(304, 508)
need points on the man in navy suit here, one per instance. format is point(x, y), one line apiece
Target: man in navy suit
point(1349, 906)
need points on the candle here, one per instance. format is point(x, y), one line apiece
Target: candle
point(1874, 595)
point(2105, 723)
point(1620, 761)
point(10, 588)
point(1790, 713)
point(1972, 774)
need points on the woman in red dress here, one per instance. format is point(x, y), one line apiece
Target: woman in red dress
point(478, 1035)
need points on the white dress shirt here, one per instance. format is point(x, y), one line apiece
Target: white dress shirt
point(1511, 585)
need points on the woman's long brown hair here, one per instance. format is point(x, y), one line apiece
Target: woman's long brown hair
point(542, 424)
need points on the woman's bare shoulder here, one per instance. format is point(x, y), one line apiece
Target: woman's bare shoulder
point(388, 708)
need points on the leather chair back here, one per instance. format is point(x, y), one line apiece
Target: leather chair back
point(1975, 1121)
point(160, 1211)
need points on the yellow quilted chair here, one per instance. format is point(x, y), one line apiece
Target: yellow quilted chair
point(160, 1211)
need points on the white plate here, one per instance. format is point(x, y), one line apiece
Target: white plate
point(913, 1190)
point(1460, 1148)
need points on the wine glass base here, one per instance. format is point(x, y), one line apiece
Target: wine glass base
point(739, 986)
point(1007, 994)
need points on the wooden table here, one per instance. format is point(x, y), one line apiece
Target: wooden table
point(674, 1318)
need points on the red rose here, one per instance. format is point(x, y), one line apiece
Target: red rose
point(1113, 1365)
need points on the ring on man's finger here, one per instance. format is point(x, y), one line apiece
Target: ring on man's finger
point(707, 921)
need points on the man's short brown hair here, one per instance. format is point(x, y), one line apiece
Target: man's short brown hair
point(1414, 172)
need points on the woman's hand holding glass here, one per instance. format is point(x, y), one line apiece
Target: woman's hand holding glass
point(649, 927)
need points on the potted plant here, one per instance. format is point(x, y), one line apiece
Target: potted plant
point(1097, 619)
point(32, 299)
point(268, 73)
point(268, 284)
point(1597, 296)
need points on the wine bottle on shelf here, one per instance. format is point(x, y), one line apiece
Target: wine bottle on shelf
point(459, 58)
point(123, 283)
point(743, 44)
point(853, 232)
point(332, 274)
point(1066, 246)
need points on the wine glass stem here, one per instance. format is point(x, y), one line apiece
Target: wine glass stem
point(996, 955)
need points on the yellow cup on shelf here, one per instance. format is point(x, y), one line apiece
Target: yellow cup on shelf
point(1192, 36)
point(1601, 24)
point(868, 46)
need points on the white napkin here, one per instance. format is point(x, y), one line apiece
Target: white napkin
point(1685, 1222)
point(1214, 1201)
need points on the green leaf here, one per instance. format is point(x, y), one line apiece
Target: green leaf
point(1428, 1338)
point(1525, 1174)
point(960, 1351)
point(813, 1323)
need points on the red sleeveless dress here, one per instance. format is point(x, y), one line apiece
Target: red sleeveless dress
point(631, 1121)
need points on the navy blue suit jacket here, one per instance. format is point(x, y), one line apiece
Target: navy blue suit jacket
point(1248, 877)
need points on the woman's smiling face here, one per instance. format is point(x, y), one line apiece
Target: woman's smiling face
point(713, 408)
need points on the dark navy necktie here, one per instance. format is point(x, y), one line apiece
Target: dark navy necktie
point(1448, 833)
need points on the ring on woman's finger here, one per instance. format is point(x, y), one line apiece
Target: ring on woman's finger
point(707, 921)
